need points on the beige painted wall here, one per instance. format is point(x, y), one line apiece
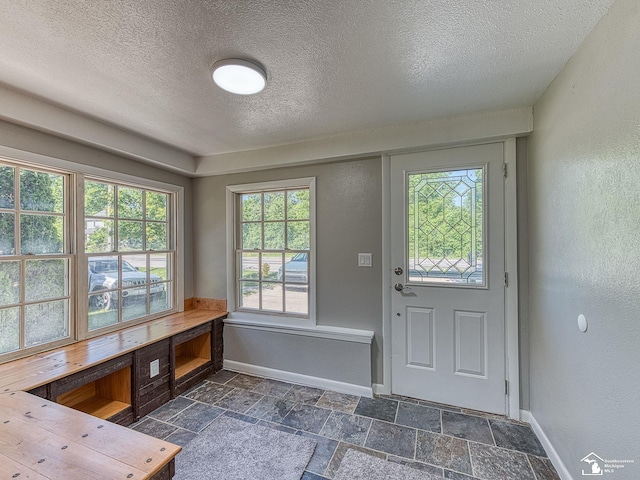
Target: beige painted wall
point(584, 205)
point(28, 140)
point(349, 220)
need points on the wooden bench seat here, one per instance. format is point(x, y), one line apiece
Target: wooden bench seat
point(36, 370)
point(41, 439)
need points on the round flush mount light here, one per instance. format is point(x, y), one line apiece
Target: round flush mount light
point(239, 76)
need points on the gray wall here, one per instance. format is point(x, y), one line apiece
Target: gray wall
point(22, 138)
point(327, 359)
point(584, 205)
point(349, 220)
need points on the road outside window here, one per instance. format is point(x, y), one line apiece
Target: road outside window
point(127, 239)
point(273, 251)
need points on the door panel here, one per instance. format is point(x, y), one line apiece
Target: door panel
point(447, 238)
point(470, 343)
point(420, 337)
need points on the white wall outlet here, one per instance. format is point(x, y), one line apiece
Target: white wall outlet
point(364, 260)
point(154, 368)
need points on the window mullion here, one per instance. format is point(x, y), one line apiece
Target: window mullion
point(144, 220)
point(16, 222)
point(284, 274)
point(260, 279)
point(22, 303)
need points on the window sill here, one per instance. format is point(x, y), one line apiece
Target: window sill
point(321, 331)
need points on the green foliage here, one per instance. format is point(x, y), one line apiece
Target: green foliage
point(41, 234)
point(445, 216)
point(129, 203)
point(98, 199)
point(283, 227)
point(9, 283)
point(7, 235)
point(9, 329)
point(39, 192)
point(53, 271)
point(7, 187)
point(100, 202)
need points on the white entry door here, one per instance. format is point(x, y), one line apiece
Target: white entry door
point(447, 254)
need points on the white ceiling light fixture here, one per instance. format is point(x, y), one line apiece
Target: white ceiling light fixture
point(239, 76)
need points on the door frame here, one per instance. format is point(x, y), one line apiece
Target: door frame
point(512, 360)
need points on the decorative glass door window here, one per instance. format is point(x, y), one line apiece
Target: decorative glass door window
point(445, 227)
point(273, 251)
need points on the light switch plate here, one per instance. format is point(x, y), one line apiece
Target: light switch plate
point(364, 259)
point(154, 368)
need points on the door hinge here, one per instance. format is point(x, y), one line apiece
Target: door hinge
point(504, 170)
point(506, 387)
point(506, 279)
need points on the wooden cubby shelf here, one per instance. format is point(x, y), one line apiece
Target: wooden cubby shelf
point(192, 354)
point(103, 398)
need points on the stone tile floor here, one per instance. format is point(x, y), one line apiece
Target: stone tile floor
point(445, 441)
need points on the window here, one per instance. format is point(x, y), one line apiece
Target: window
point(445, 219)
point(82, 255)
point(35, 260)
point(129, 252)
point(273, 252)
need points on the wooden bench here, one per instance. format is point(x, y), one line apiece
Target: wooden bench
point(43, 440)
point(40, 369)
point(108, 377)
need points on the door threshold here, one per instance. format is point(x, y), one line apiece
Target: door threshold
point(442, 406)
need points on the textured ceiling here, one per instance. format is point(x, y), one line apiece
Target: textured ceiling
point(334, 66)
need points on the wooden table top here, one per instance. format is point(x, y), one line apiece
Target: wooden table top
point(40, 439)
point(39, 369)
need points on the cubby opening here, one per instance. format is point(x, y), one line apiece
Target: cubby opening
point(192, 354)
point(102, 398)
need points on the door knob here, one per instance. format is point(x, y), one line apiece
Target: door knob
point(399, 287)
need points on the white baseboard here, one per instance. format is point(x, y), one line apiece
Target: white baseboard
point(559, 465)
point(299, 378)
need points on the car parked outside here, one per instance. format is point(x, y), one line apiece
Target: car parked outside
point(103, 276)
point(296, 269)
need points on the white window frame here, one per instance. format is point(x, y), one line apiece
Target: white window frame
point(83, 257)
point(232, 223)
point(69, 254)
point(77, 172)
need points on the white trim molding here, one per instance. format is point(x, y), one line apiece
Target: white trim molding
point(381, 389)
point(437, 133)
point(321, 331)
point(385, 387)
point(512, 360)
point(262, 317)
point(324, 383)
point(511, 318)
point(559, 465)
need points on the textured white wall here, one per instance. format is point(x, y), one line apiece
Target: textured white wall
point(584, 179)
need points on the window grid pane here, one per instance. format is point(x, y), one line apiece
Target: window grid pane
point(272, 260)
point(134, 279)
point(35, 280)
